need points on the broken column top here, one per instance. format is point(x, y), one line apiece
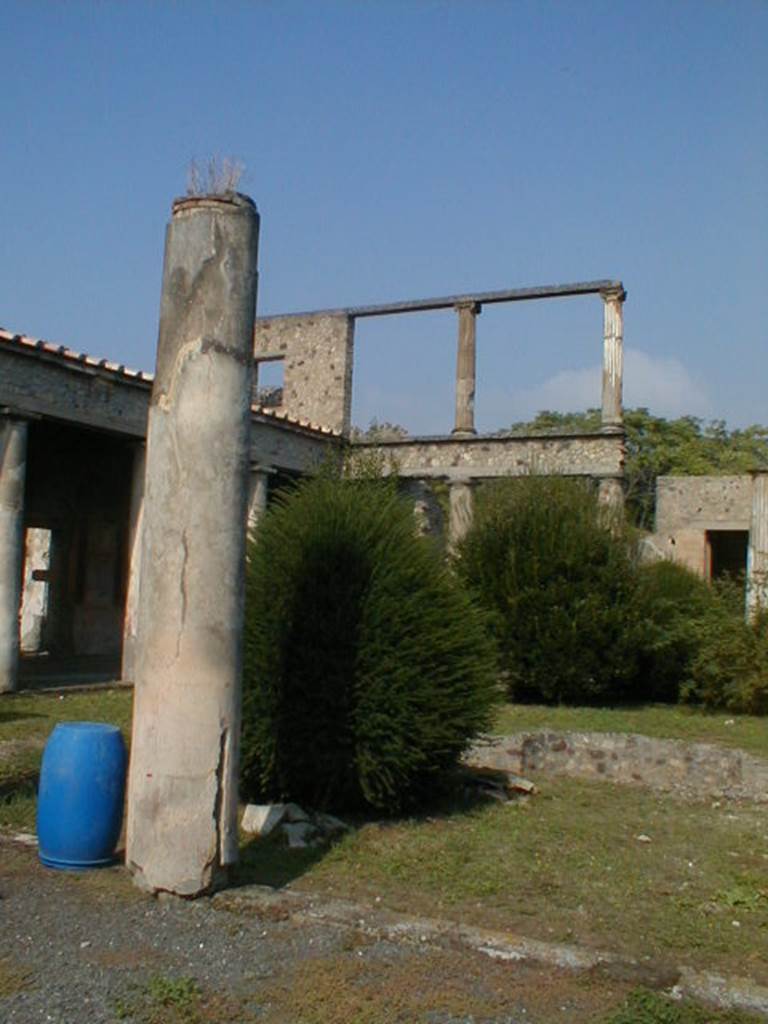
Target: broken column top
point(214, 200)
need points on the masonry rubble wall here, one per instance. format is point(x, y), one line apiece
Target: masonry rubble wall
point(698, 770)
point(74, 393)
point(81, 395)
point(317, 354)
point(594, 455)
point(703, 502)
point(279, 445)
point(688, 506)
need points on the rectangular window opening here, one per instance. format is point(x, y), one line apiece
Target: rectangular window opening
point(268, 383)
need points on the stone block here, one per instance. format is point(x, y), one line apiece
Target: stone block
point(261, 819)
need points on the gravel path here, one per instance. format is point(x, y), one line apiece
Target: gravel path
point(88, 941)
point(84, 948)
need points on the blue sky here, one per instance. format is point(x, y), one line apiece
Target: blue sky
point(405, 149)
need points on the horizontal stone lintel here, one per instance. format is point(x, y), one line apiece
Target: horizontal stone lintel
point(548, 291)
point(595, 455)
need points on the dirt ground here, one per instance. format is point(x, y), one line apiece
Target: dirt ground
point(89, 947)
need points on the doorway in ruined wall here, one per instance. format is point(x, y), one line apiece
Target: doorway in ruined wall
point(727, 553)
point(76, 527)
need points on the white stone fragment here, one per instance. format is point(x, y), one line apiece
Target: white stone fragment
point(261, 819)
point(517, 784)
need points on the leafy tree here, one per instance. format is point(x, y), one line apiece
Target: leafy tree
point(376, 431)
point(657, 446)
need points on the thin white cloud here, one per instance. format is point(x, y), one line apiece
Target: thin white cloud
point(662, 384)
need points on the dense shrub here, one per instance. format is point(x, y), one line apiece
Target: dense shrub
point(562, 588)
point(729, 666)
point(367, 668)
point(672, 600)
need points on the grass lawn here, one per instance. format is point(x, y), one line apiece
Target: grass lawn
point(26, 721)
point(567, 866)
point(662, 720)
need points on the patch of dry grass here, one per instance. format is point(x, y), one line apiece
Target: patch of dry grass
point(13, 977)
point(418, 986)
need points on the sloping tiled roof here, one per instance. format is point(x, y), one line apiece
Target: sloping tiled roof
point(67, 355)
point(81, 360)
point(271, 413)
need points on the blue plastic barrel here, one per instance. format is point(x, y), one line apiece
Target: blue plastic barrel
point(80, 798)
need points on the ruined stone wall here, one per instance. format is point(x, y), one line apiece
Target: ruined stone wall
point(703, 502)
point(594, 455)
point(82, 396)
point(74, 393)
point(699, 770)
point(286, 448)
point(688, 506)
point(317, 353)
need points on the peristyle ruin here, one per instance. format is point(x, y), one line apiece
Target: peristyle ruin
point(125, 499)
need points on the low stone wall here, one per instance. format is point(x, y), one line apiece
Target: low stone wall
point(698, 770)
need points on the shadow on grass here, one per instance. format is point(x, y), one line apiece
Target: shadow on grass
point(7, 715)
point(19, 786)
point(271, 862)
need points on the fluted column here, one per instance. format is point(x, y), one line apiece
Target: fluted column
point(613, 357)
point(460, 510)
point(258, 493)
point(610, 497)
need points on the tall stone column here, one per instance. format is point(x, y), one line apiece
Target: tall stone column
point(182, 805)
point(613, 357)
point(757, 553)
point(258, 494)
point(13, 469)
point(460, 510)
point(136, 513)
point(465, 368)
point(610, 497)
point(427, 513)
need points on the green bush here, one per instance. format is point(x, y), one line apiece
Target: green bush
point(672, 600)
point(562, 588)
point(367, 668)
point(729, 668)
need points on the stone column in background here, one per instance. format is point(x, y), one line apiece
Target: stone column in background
point(465, 369)
point(13, 470)
point(182, 804)
point(613, 357)
point(610, 497)
point(427, 513)
point(258, 494)
point(757, 553)
point(460, 510)
point(130, 623)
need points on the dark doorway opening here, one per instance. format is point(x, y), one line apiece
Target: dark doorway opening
point(727, 553)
